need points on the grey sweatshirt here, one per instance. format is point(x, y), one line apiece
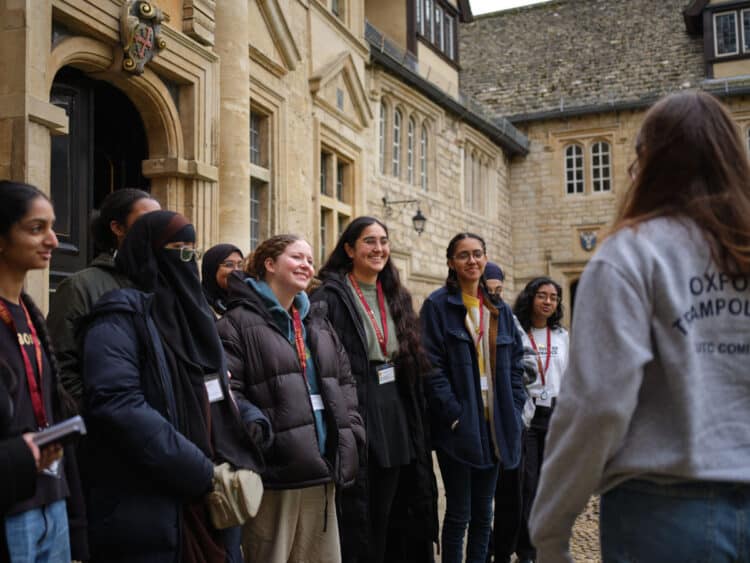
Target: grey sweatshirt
point(658, 384)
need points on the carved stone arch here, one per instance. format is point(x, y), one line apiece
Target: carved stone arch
point(148, 93)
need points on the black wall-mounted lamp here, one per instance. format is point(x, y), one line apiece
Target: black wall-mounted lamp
point(418, 220)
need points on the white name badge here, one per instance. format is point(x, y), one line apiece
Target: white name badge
point(386, 373)
point(213, 389)
point(317, 403)
point(546, 402)
point(483, 385)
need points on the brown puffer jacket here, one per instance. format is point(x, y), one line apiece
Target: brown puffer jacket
point(266, 371)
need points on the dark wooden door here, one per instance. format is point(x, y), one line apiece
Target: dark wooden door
point(102, 152)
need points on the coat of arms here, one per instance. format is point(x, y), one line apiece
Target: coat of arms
point(588, 240)
point(140, 25)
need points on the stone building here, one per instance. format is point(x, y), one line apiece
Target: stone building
point(576, 77)
point(255, 117)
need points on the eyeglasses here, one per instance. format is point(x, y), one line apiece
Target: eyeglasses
point(186, 252)
point(547, 297)
point(465, 255)
point(232, 264)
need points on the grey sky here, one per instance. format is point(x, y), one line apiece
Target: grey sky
point(485, 6)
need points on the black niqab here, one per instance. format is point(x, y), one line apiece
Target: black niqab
point(188, 334)
point(212, 259)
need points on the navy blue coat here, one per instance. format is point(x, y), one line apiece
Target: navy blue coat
point(140, 468)
point(453, 387)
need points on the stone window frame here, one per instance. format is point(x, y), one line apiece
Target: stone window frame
point(389, 146)
point(572, 185)
point(586, 140)
point(382, 134)
point(411, 132)
point(336, 205)
point(263, 170)
point(605, 182)
point(397, 134)
point(480, 180)
point(478, 165)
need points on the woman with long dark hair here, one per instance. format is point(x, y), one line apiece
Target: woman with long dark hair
point(655, 411)
point(34, 528)
point(476, 395)
point(158, 406)
point(286, 358)
point(75, 296)
point(539, 310)
point(219, 262)
point(390, 513)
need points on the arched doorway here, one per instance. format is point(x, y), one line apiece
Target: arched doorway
point(102, 152)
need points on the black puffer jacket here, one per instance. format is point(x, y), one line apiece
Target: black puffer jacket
point(266, 371)
point(413, 526)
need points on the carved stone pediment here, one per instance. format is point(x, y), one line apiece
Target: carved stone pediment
point(338, 88)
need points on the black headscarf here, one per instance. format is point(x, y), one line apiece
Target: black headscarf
point(214, 256)
point(188, 334)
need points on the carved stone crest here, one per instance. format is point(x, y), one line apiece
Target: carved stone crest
point(588, 240)
point(140, 26)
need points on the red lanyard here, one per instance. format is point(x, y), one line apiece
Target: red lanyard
point(299, 341)
point(542, 372)
point(381, 336)
point(34, 390)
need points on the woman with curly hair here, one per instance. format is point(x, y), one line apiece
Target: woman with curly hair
point(286, 358)
point(655, 411)
point(539, 310)
point(390, 514)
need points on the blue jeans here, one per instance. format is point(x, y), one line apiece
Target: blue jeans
point(39, 535)
point(694, 521)
point(468, 495)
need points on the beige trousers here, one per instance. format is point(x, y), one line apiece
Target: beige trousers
point(289, 528)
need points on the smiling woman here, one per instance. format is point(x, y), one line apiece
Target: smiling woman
point(285, 357)
point(374, 317)
point(476, 395)
point(28, 376)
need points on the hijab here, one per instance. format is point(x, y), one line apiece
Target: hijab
point(188, 333)
point(212, 259)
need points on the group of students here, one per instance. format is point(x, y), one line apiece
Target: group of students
point(324, 396)
point(335, 392)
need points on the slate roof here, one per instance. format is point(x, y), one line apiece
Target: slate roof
point(535, 61)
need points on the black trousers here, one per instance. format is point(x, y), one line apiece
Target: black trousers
point(533, 453)
point(508, 512)
point(383, 486)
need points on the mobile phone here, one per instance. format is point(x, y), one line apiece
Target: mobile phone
point(60, 433)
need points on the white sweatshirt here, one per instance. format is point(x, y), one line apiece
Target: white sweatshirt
point(658, 384)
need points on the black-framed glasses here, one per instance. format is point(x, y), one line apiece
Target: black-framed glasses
point(187, 253)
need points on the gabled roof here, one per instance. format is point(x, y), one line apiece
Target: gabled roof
point(534, 61)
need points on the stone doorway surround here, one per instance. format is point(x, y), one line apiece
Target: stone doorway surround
point(176, 96)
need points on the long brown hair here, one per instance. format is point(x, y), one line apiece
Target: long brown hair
point(693, 164)
point(399, 299)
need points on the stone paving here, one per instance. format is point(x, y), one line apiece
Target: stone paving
point(584, 544)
